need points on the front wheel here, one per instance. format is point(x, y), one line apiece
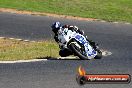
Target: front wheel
point(76, 50)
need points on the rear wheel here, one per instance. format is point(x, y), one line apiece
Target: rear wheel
point(77, 51)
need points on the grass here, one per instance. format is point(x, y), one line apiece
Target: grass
point(109, 10)
point(19, 50)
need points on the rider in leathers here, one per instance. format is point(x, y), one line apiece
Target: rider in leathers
point(56, 26)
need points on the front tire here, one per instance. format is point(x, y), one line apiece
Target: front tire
point(77, 53)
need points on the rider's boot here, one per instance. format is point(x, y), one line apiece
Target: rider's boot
point(65, 52)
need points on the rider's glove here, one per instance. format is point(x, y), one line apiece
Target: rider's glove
point(78, 30)
point(81, 32)
point(75, 28)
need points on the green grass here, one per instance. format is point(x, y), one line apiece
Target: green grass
point(20, 50)
point(110, 10)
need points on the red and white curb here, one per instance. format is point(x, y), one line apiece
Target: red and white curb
point(23, 61)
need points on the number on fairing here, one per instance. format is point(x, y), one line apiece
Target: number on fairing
point(80, 39)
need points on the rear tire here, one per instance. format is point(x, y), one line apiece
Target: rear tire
point(77, 53)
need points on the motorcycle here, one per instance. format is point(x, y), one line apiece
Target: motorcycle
point(78, 44)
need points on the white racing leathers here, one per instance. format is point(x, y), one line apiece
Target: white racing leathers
point(65, 35)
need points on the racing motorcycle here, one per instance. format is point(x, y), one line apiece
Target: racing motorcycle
point(78, 44)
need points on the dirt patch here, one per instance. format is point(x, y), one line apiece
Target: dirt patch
point(46, 14)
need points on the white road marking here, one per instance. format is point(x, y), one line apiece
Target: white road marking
point(102, 21)
point(23, 61)
point(12, 38)
point(2, 37)
point(74, 57)
point(19, 39)
point(115, 22)
point(26, 40)
point(127, 23)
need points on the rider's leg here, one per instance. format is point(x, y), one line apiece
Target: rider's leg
point(65, 52)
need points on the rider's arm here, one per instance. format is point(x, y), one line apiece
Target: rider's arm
point(56, 38)
point(80, 31)
point(75, 28)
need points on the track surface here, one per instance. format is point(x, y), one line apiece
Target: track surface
point(116, 38)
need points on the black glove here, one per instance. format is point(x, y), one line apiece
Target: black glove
point(78, 30)
point(56, 38)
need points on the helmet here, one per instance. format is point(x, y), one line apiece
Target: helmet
point(56, 26)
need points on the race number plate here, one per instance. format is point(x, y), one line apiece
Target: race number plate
point(80, 39)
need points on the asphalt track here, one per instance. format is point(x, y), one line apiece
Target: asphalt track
point(116, 38)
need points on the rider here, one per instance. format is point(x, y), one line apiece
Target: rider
point(56, 26)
